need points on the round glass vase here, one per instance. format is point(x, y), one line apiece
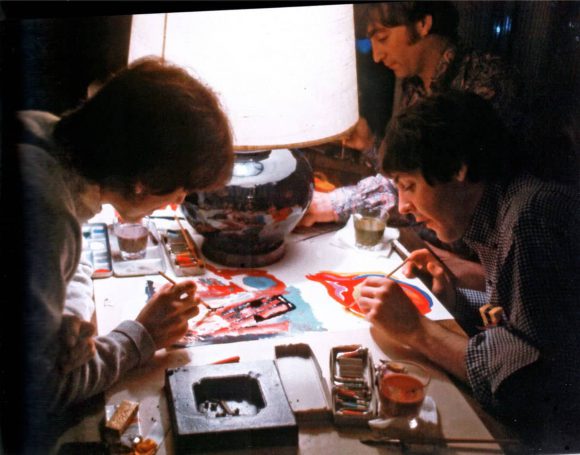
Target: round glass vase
point(245, 223)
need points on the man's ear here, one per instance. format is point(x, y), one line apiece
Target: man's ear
point(461, 175)
point(424, 25)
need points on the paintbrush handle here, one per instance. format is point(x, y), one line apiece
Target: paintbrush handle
point(397, 268)
point(191, 246)
point(167, 277)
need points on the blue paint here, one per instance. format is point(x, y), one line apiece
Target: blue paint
point(302, 318)
point(258, 282)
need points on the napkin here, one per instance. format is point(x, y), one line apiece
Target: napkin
point(345, 238)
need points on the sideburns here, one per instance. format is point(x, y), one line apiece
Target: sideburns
point(414, 35)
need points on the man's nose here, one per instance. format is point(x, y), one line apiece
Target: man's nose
point(405, 207)
point(378, 52)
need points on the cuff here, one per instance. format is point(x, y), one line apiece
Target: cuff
point(138, 334)
point(340, 202)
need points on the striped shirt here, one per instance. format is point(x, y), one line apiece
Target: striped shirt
point(526, 236)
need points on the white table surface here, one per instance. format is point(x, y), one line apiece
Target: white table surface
point(118, 299)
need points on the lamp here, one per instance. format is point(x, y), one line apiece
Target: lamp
point(286, 78)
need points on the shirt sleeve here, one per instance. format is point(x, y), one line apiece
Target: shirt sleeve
point(127, 346)
point(51, 257)
point(372, 192)
point(79, 292)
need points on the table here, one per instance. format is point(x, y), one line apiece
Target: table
point(121, 298)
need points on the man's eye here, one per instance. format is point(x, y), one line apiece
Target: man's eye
point(407, 187)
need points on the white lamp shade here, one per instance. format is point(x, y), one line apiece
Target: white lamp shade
point(285, 76)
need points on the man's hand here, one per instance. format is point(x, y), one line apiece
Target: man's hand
point(319, 211)
point(443, 285)
point(166, 314)
point(361, 138)
point(387, 306)
point(77, 345)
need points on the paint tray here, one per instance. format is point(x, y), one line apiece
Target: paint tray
point(151, 264)
point(305, 387)
point(354, 398)
point(96, 249)
point(229, 406)
point(180, 259)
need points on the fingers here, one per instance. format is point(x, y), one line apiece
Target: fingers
point(86, 329)
point(418, 260)
point(184, 287)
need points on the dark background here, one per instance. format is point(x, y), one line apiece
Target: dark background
point(51, 51)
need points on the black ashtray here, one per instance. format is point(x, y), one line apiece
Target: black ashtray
point(229, 406)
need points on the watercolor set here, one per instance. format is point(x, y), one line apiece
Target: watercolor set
point(96, 249)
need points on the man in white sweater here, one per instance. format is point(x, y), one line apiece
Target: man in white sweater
point(150, 136)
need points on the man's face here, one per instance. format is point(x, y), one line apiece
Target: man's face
point(395, 48)
point(442, 207)
point(142, 205)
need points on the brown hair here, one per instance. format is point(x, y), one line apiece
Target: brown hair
point(154, 124)
point(391, 14)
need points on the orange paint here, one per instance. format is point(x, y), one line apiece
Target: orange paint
point(401, 394)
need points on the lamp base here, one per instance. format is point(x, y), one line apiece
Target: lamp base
point(245, 223)
point(242, 260)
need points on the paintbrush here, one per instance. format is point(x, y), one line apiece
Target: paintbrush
point(191, 246)
point(168, 278)
point(438, 259)
point(388, 275)
point(172, 281)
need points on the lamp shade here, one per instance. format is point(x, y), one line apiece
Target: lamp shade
point(286, 77)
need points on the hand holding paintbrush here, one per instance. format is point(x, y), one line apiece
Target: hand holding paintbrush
point(167, 312)
point(199, 302)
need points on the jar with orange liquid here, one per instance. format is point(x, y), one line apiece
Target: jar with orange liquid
point(402, 388)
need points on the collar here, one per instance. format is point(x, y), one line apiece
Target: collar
point(487, 215)
point(88, 202)
point(441, 74)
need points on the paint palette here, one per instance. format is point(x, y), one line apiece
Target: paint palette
point(354, 400)
point(182, 261)
point(96, 249)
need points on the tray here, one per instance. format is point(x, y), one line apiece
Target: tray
point(305, 388)
point(181, 261)
point(96, 249)
point(229, 406)
point(151, 264)
point(354, 397)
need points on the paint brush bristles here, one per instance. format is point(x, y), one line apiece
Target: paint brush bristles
point(168, 278)
point(388, 275)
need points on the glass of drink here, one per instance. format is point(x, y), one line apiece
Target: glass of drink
point(369, 228)
point(402, 388)
point(132, 238)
